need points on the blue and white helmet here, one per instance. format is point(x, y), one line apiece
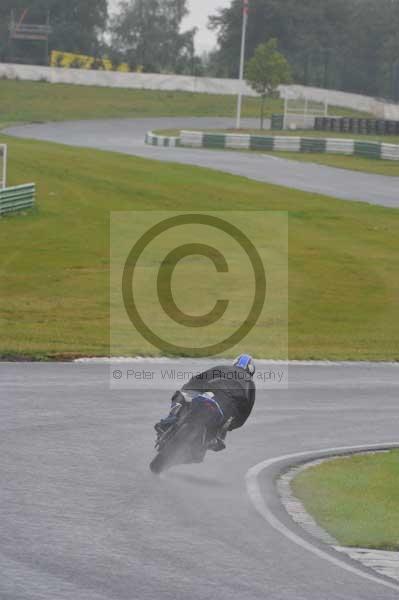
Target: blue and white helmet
point(246, 362)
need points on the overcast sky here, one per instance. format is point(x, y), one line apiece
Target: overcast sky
point(199, 12)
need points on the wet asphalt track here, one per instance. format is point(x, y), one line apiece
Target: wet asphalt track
point(82, 518)
point(127, 136)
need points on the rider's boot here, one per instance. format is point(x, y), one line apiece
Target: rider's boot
point(217, 444)
point(165, 424)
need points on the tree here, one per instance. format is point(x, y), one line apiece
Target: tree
point(341, 44)
point(77, 25)
point(266, 70)
point(148, 33)
point(267, 19)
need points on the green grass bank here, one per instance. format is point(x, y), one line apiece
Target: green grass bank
point(25, 101)
point(54, 263)
point(355, 499)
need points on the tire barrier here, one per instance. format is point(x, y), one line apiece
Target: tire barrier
point(347, 125)
point(234, 141)
point(20, 197)
point(277, 122)
point(355, 125)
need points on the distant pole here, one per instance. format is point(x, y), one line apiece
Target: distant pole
point(242, 61)
point(46, 48)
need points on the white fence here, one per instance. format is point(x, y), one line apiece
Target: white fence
point(301, 112)
point(3, 166)
point(343, 99)
point(19, 197)
point(147, 81)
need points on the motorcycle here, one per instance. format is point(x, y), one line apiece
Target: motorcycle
point(198, 421)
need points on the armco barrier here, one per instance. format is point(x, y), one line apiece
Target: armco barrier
point(287, 144)
point(161, 140)
point(216, 140)
point(368, 149)
point(235, 141)
point(20, 197)
point(238, 141)
point(389, 152)
point(259, 142)
point(340, 146)
point(192, 138)
point(313, 145)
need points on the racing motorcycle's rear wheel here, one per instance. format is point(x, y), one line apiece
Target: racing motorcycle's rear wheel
point(186, 446)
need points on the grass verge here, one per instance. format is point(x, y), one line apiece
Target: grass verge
point(25, 101)
point(377, 166)
point(54, 263)
point(355, 499)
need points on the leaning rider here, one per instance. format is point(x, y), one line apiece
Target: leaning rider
point(231, 387)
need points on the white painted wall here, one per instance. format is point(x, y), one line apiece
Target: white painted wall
point(145, 81)
point(192, 84)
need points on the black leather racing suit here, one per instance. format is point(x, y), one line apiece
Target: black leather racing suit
point(233, 388)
